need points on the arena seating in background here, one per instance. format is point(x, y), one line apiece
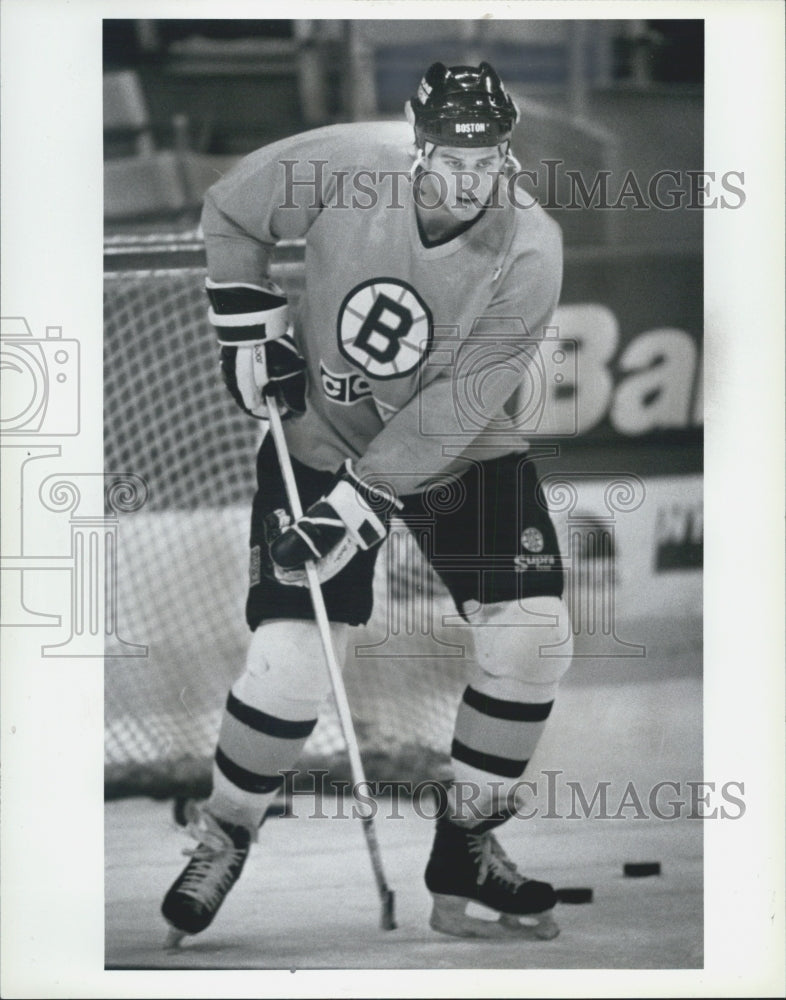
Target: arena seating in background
point(141, 179)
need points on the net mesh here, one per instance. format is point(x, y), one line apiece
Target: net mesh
point(181, 573)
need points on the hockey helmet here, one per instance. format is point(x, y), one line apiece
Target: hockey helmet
point(461, 106)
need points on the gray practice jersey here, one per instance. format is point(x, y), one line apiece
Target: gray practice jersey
point(417, 353)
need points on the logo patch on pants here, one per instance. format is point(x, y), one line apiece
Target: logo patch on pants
point(532, 541)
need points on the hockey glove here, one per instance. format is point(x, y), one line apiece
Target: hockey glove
point(250, 372)
point(352, 515)
point(257, 349)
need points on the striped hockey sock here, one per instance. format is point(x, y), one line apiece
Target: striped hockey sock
point(494, 740)
point(254, 747)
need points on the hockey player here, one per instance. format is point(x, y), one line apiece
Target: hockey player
point(426, 288)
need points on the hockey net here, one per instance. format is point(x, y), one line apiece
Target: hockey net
point(182, 557)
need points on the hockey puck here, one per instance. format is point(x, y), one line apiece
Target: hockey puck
point(640, 869)
point(581, 895)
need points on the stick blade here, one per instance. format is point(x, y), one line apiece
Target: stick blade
point(388, 918)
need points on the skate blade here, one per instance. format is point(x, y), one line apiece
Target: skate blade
point(173, 938)
point(448, 916)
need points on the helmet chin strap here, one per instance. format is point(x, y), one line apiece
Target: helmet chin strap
point(422, 156)
point(510, 159)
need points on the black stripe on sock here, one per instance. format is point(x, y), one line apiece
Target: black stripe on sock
point(514, 711)
point(270, 725)
point(502, 766)
point(245, 780)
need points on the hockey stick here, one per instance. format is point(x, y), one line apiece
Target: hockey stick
point(387, 920)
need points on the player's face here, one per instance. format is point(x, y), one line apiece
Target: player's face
point(466, 176)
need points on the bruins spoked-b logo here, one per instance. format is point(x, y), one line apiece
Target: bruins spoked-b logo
point(384, 328)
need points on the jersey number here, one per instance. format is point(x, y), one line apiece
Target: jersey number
point(384, 328)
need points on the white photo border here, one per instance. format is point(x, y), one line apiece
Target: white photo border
point(52, 844)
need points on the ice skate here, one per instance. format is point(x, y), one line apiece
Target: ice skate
point(468, 866)
point(216, 863)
